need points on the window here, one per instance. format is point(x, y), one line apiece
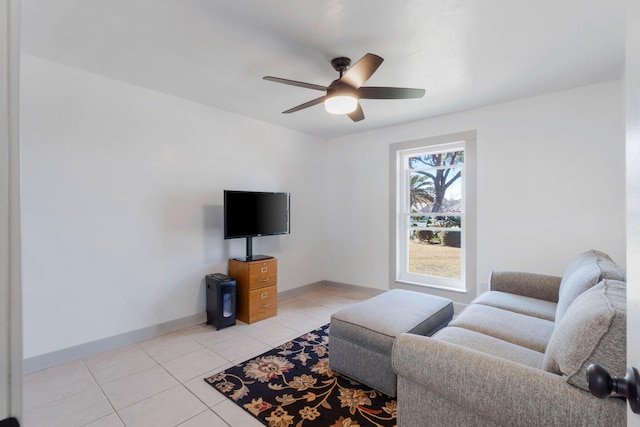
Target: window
point(434, 220)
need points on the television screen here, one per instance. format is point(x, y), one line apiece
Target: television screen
point(252, 213)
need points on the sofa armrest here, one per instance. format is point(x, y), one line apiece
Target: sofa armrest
point(539, 286)
point(497, 390)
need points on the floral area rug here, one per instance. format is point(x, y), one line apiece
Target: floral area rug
point(293, 385)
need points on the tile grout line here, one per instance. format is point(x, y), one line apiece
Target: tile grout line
point(103, 393)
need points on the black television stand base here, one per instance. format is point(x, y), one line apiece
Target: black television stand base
point(253, 258)
point(250, 256)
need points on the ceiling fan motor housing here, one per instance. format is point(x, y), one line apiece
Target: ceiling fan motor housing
point(341, 64)
point(340, 88)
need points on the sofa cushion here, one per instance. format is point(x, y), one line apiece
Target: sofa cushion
point(519, 304)
point(586, 270)
point(490, 345)
point(593, 330)
point(516, 328)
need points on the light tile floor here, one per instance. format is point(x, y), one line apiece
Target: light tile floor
point(160, 381)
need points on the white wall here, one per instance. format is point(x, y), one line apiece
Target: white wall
point(123, 189)
point(550, 183)
point(122, 214)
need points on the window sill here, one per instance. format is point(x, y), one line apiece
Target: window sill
point(427, 285)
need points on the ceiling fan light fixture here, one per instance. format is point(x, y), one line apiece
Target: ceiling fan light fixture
point(343, 94)
point(341, 104)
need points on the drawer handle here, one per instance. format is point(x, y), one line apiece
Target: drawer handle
point(266, 279)
point(264, 305)
point(264, 270)
point(264, 295)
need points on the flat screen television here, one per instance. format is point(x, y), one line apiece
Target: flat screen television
point(249, 214)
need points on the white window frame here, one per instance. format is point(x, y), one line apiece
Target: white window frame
point(403, 218)
point(464, 289)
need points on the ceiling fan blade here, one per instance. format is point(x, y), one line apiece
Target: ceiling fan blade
point(372, 92)
point(305, 105)
point(362, 70)
point(357, 114)
point(295, 83)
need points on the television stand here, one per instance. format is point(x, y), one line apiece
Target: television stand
point(250, 256)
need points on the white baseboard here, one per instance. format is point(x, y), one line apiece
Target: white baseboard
point(356, 288)
point(326, 283)
point(301, 290)
point(457, 306)
point(48, 360)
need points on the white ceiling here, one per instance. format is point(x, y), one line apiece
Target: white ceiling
point(464, 53)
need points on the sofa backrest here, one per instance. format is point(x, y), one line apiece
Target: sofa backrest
point(586, 270)
point(593, 330)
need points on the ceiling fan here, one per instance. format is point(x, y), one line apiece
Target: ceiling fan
point(343, 94)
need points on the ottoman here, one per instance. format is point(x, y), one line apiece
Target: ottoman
point(361, 336)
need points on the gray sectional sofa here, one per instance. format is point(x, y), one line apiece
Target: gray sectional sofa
point(517, 356)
